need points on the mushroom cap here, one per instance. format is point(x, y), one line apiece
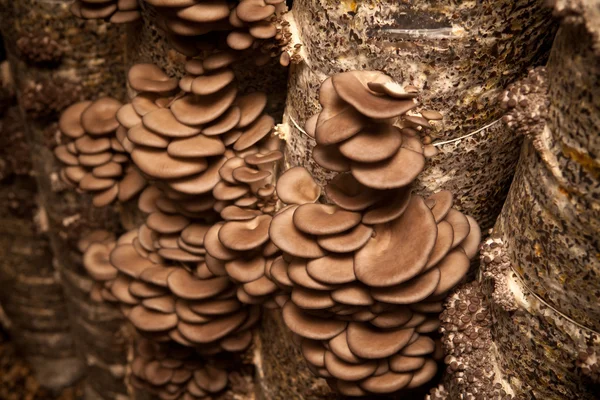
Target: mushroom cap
point(219, 60)
point(443, 244)
point(324, 219)
point(151, 321)
point(347, 242)
point(254, 10)
point(288, 238)
point(255, 132)
point(186, 286)
point(251, 106)
point(145, 102)
point(239, 40)
point(309, 326)
point(400, 249)
point(150, 78)
point(197, 110)
point(224, 123)
point(142, 136)
point(212, 83)
point(420, 347)
point(202, 183)
point(100, 117)
point(196, 146)
point(249, 175)
point(245, 235)
point(314, 352)
point(371, 343)
point(352, 88)
point(211, 379)
point(424, 374)
point(206, 11)
point(333, 269)
point(452, 268)
point(389, 208)
point(345, 191)
point(215, 248)
point(388, 382)
point(395, 172)
point(165, 223)
point(329, 157)
point(161, 165)
point(374, 143)
point(97, 263)
point(246, 270)
point(338, 120)
point(162, 121)
point(442, 202)
point(346, 371)
point(339, 346)
point(395, 318)
point(392, 89)
point(413, 291)
point(460, 226)
point(296, 186)
point(297, 272)
point(471, 243)
point(353, 294)
point(128, 117)
point(70, 120)
point(213, 330)
point(401, 363)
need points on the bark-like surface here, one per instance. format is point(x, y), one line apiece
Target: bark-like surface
point(461, 56)
point(543, 259)
point(30, 296)
point(79, 60)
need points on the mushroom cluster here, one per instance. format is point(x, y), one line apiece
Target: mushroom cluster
point(174, 372)
point(355, 130)
point(115, 11)
point(95, 160)
point(362, 278)
point(192, 25)
point(204, 145)
point(168, 301)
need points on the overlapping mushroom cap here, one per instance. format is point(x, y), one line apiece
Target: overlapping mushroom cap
point(355, 132)
point(115, 11)
point(171, 372)
point(95, 160)
point(197, 138)
point(247, 24)
point(181, 302)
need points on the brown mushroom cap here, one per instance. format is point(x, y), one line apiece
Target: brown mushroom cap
point(401, 363)
point(471, 243)
point(346, 371)
point(211, 379)
point(206, 11)
point(96, 262)
point(213, 330)
point(413, 291)
point(197, 146)
point(352, 88)
point(442, 202)
point(215, 248)
point(224, 123)
point(288, 238)
point(423, 375)
point(392, 89)
point(338, 120)
point(298, 274)
point(186, 286)
point(345, 191)
point(309, 326)
point(452, 268)
point(324, 219)
point(219, 60)
point(100, 117)
point(197, 110)
point(239, 40)
point(395, 172)
point(251, 106)
point(70, 119)
point(254, 10)
point(249, 175)
point(374, 143)
point(329, 157)
point(400, 249)
point(296, 186)
point(212, 83)
point(395, 318)
point(151, 321)
point(201, 183)
point(389, 382)
point(443, 244)
point(160, 164)
point(142, 136)
point(371, 343)
point(353, 294)
point(255, 132)
point(150, 78)
point(163, 121)
point(332, 269)
point(346, 242)
point(389, 208)
point(245, 235)
point(314, 352)
point(246, 270)
point(460, 226)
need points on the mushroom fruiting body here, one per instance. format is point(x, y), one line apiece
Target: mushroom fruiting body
point(115, 11)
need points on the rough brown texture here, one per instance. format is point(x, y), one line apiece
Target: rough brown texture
point(31, 298)
point(92, 62)
point(542, 261)
point(460, 56)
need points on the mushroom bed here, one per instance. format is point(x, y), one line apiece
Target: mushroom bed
point(359, 270)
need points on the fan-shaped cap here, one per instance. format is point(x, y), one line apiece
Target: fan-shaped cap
point(345, 191)
point(413, 291)
point(471, 243)
point(392, 89)
point(151, 321)
point(263, 158)
point(339, 346)
point(372, 343)
point(423, 375)
point(389, 382)
point(251, 106)
point(460, 226)
point(160, 164)
point(206, 11)
point(324, 219)
point(390, 208)
point(213, 330)
point(224, 123)
point(314, 352)
point(246, 270)
point(70, 119)
point(165, 223)
point(249, 175)
point(443, 244)
point(346, 371)
point(254, 10)
point(142, 136)
point(255, 132)
point(97, 264)
point(245, 235)
point(346, 242)
point(395, 318)
point(239, 40)
point(440, 203)
point(100, 117)
point(197, 110)
point(212, 83)
point(185, 285)
point(219, 60)
point(352, 88)
point(162, 120)
point(401, 363)
point(197, 146)
point(400, 249)
point(374, 143)
point(296, 186)
point(201, 183)
point(332, 269)
point(211, 379)
point(329, 157)
point(309, 326)
point(150, 78)
point(452, 268)
point(288, 238)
